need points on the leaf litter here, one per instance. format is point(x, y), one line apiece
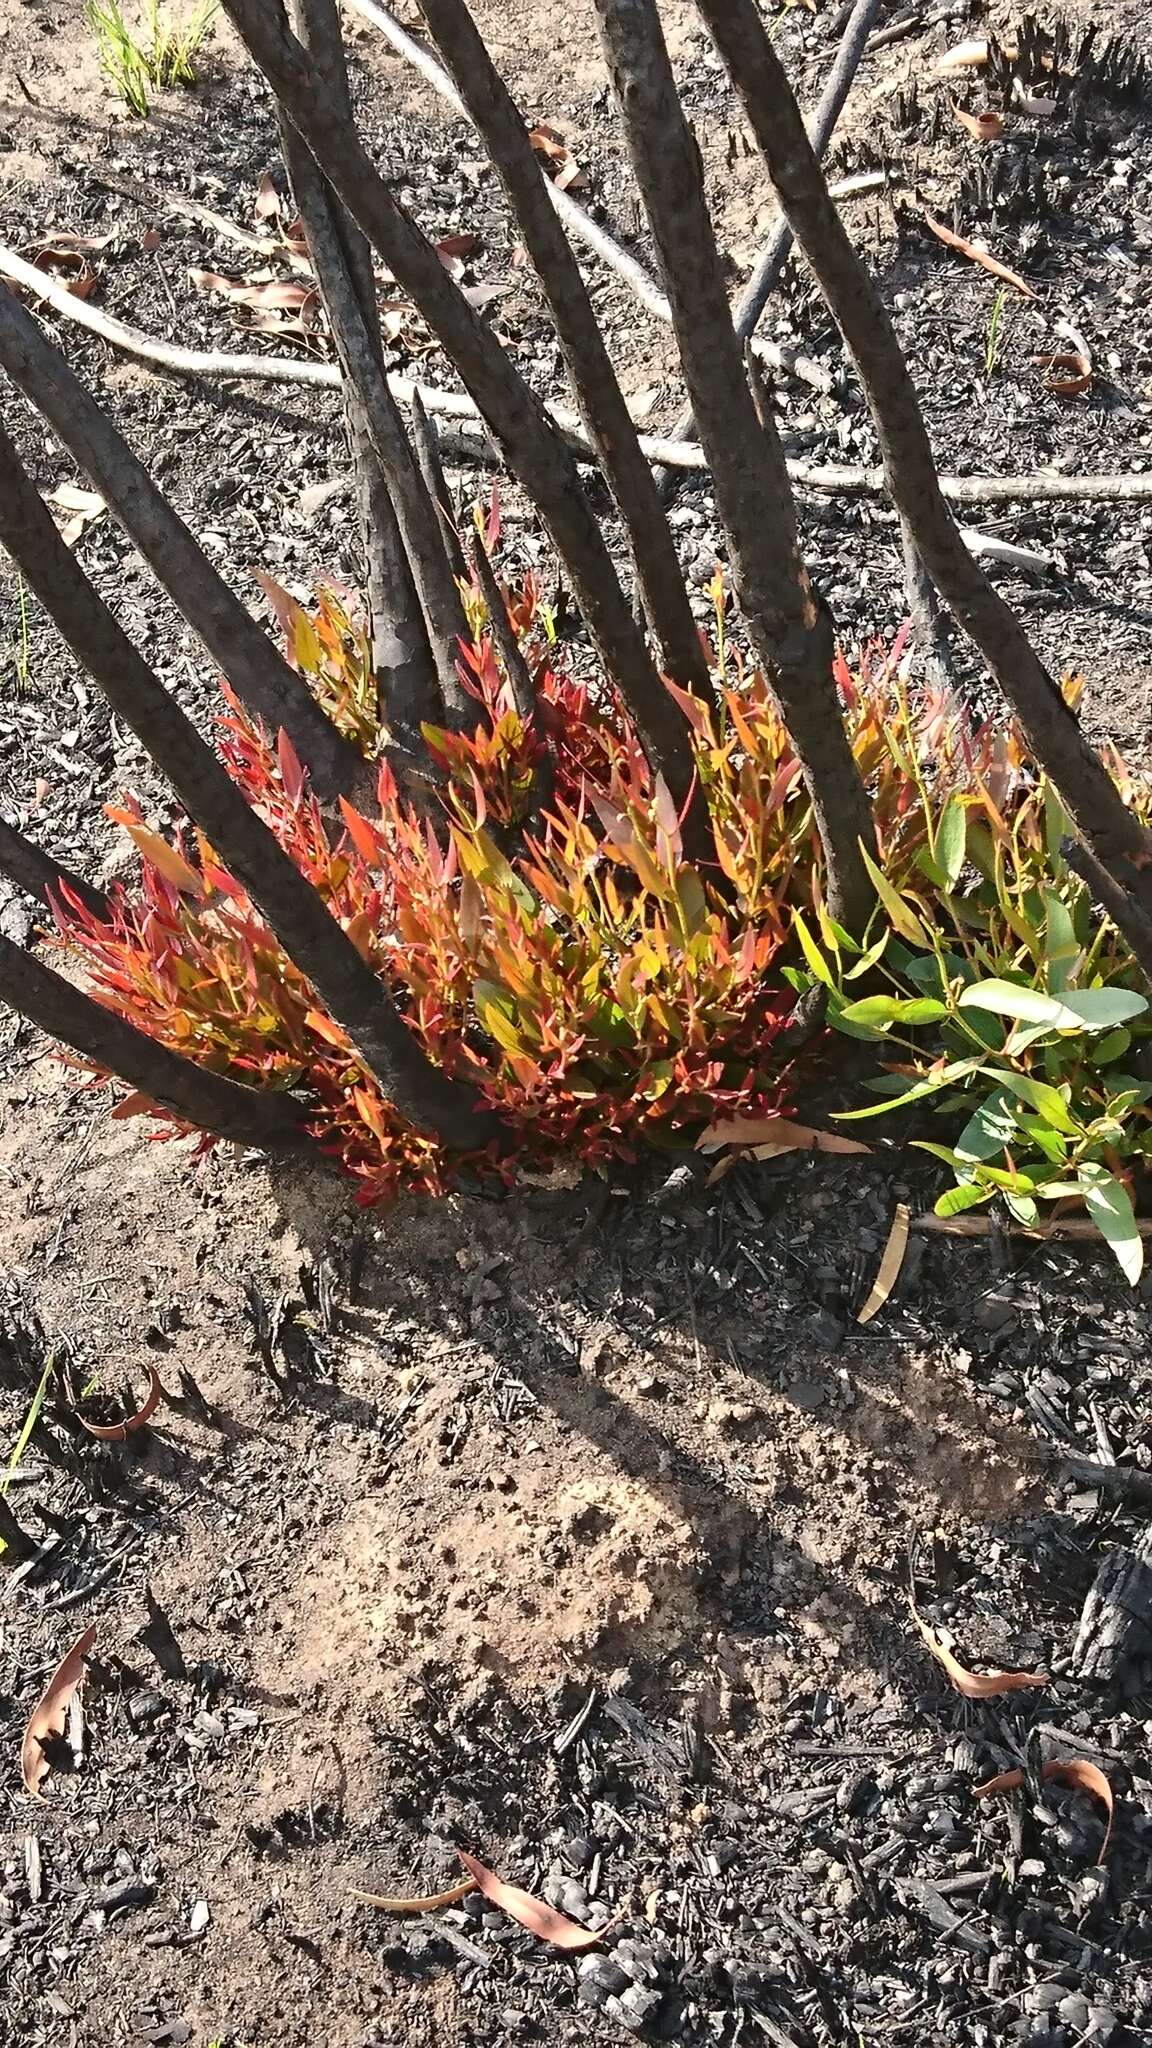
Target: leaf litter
point(49, 1717)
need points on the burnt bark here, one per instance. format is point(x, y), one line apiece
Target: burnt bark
point(39, 875)
point(427, 447)
point(603, 410)
point(260, 676)
point(530, 444)
point(262, 1117)
point(790, 626)
point(344, 274)
point(406, 674)
point(310, 936)
point(1116, 1621)
point(1114, 834)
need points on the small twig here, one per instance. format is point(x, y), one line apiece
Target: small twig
point(427, 447)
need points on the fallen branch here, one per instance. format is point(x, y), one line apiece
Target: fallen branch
point(836, 479)
point(982, 1226)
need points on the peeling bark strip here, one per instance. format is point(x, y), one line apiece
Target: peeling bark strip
point(308, 933)
point(531, 446)
point(262, 1117)
point(259, 674)
point(789, 625)
point(606, 417)
point(39, 875)
point(406, 674)
point(1114, 834)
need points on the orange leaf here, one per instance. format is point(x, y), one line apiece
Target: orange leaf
point(50, 1713)
point(776, 1131)
point(976, 1685)
point(985, 127)
point(977, 255)
point(1074, 1771)
point(115, 1432)
point(1075, 363)
point(890, 1265)
point(165, 859)
point(539, 1919)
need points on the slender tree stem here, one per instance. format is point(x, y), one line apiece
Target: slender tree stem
point(607, 420)
point(406, 674)
point(263, 1117)
point(529, 442)
point(1117, 838)
point(260, 676)
point(39, 875)
point(788, 623)
point(309, 934)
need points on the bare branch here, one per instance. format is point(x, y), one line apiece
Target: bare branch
point(264, 1117)
point(427, 448)
point(605, 415)
point(789, 624)
point(257, 672)
point(1115, 834)
point(308, 933)
point(770, 265)
point(406, 673)
point(530, 444)
point(39, 875)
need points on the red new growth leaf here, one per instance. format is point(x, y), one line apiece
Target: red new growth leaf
point(539, 1919)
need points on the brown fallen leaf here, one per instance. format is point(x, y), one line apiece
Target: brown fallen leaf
point(280, 293)
point(1074, 1771)
point(891, 1262)
point(977, 255)
point(79, 506)
point(266, 205)
point(985, 127)
point(558, 159)
point(49, 1716)
point(115, 1432)
point(431, 1904)
point(1069, 373)
point(539, 1919)
point(975, 1685)
point(776, 1133)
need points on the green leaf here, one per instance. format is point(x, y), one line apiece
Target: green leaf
point(1061, 949)
point(1110, 1208)
point(952, 839)
point(1101, 1009)
point(1023, 1208)
point(904, 918)
point(1026, 1005)
point(1052, 1145)
point(1112, 1046)
point(931, 1085)
point(989, 1129)
point(1044, 1099)
point(884, 1010)
point(869, 959)
point(811, 952)
point(1056, 1190)
point(965, 1196)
